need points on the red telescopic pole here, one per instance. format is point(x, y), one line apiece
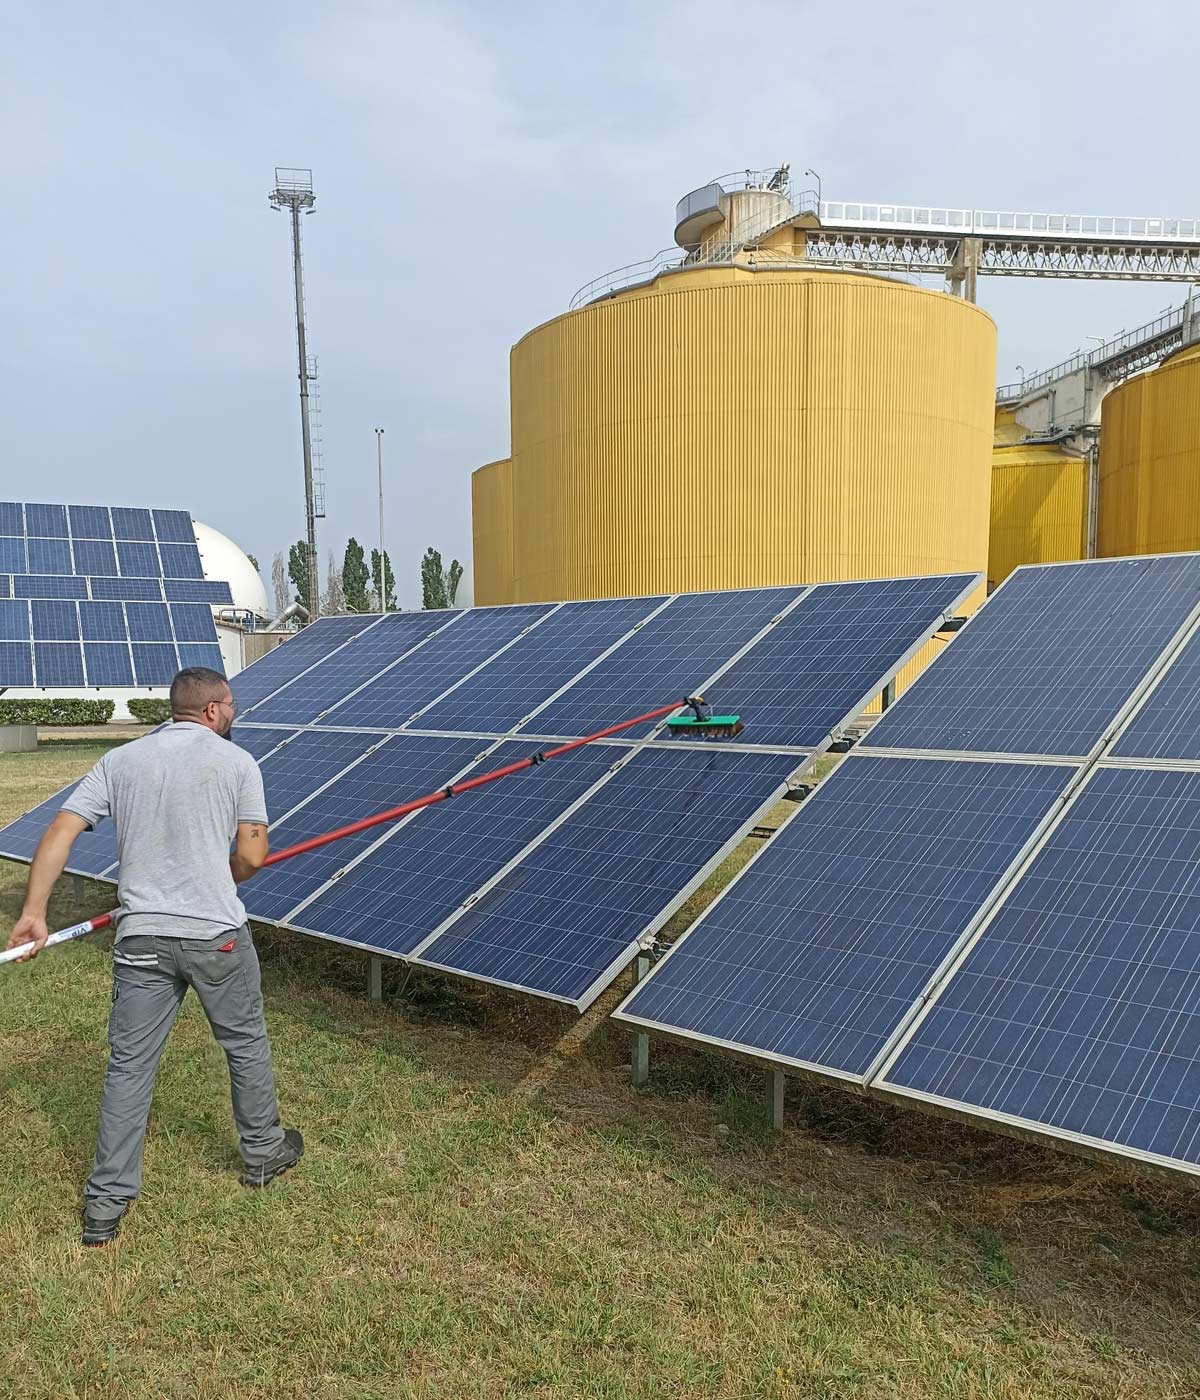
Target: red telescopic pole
point(393, 814)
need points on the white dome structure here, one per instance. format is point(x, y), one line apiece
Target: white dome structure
point(222, 559)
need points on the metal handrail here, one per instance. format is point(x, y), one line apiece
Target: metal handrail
point(982, 222)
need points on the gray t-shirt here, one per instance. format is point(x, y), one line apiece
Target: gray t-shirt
point(176, 797)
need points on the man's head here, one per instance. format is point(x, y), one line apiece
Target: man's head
point(203, 697)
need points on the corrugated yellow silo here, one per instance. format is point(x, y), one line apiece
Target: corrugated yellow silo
point(1150, 461)
point(740, 426)
point(1039, 501)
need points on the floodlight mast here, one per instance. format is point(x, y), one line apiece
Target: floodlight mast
point(294, 191)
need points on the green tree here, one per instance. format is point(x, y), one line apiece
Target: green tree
point(389, 577)
point(439, 586)
point(298, 570)
point(355, 577)
point(335, 600)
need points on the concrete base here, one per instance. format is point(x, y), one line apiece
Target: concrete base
point(18, 738)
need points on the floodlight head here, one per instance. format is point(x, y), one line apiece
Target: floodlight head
point(293, 189)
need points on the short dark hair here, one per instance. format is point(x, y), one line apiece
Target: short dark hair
point(194, 687)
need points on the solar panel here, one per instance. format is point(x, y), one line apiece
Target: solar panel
point(5, 587)
point(398, 693)
point(107, 663)
point(426, 868)
point(148, 590)
point(14, 620)
point(46, 520)
point(180, 561)
point(1168, 725)
point(49, 586)
point(154, 663)
point(90, 523)
point(12, 518)
point(1047, 665)
point(195, 590)
point(192, 622)
point(48, 556)
point(55, 620)
point(201, 654)
point(673, 654)
point(103, 622)
point(93, 852)
point(16, 663)
point(95, 557)
point(57, 663)
point(813, 956)
point(318, 689)
point(402, 768)
point(831, 654)
point(138, 560)
point(539, 663)
point(1076, 1013)
point(568, 917)
point(148, 622)
point(12, 556)
point(258, 742)
point(315, 642)
point(174, 525)
point(132, 524)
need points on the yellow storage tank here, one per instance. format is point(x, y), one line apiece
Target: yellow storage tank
point(727, 427)
point(1150, 461)
point(1039, 501)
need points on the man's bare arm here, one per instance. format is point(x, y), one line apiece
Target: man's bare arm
point(49, 860)
point(249, 851)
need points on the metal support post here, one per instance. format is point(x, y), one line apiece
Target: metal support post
point(775, 1090)
point(1093, 499)
point(382, 570)
point(375, 980)
point(641, 1041)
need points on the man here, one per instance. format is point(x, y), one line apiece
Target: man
point(178, 797)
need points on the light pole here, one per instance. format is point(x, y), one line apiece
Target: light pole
point(382, 557)
point(817, 178)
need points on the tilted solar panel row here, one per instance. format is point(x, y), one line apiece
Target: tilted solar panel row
point(102, 588)
point(1014, 942)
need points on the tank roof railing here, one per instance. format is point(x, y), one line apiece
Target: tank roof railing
point(983, 222)
point(1124, 353)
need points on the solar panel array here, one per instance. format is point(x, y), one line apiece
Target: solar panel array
point(548, 881)
point(93, 596)
point(993, 906)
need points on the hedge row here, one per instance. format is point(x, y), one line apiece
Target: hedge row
point(150, 711)
point(56, 711)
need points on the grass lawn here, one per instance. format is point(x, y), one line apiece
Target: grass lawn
point(489, 1210)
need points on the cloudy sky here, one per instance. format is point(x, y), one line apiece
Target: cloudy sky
point(474, 164)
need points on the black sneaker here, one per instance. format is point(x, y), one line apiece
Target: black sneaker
point(99, 1229)
point(287, 1156)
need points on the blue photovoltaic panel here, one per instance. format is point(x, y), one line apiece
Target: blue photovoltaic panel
point(12, 556)
point(103, 622)
point(132, 589)
point(58, 663)
point(818, 951)
point(132, 524)
point(670, 657)
point(49, 556)
point(12, 518)
point(521, 678)
point(5, 587)
point(829, 654)
point(175, 525)
point(90, 523)
point(1168, 724)
point(258, 742)
point(95, 557)
point(405, 767)
point(154, 664)
point(1078, 1009)
point(148, 622)
point(308, 646)
point(196, 590)
point(107, 663)
point(201, 654)
point(55, 620)
point(14, 620)
point(94, 849)
point(193, 622)
point(138, 560)
point(1049, 661)
point(326, 684)
point(16, 663)
point(417, 878)
point(568, 918)
point(396, 695)
point(180, 561)
point(295, 771)
point(49, 586)
point(46, 520)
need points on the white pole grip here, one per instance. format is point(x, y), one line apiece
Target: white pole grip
point(62, 936)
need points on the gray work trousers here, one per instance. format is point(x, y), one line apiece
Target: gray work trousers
point(151, 976)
